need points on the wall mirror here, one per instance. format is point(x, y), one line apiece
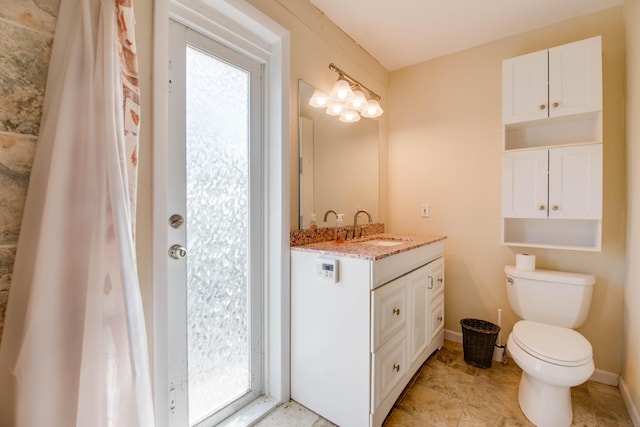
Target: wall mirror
point(338, 167)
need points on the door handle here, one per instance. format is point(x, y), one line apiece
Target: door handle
point(177, 252)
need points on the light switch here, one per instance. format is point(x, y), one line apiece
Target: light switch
point(424, 210)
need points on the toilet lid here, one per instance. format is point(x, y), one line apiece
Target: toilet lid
point(554, 344)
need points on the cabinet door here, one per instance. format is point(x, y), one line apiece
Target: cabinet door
point(435, 280)
point(525, 88)
point(419, 331)
point(389, 311)
point(389, 366)
point(524, 184)
point(575, 78)
point(437, 317)
point(575, 182)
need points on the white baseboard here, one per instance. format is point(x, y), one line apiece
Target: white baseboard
point(631, 407)
point(453, 336)
point(605, 377)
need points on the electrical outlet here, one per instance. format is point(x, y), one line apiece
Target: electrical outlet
point(424, 210)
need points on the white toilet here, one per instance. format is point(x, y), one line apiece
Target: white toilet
point(553, 356)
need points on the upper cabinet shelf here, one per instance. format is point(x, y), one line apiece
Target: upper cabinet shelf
point(561, 81)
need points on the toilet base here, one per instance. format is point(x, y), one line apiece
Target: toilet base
point(543, 404)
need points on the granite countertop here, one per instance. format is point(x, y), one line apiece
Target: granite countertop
point(359, 248)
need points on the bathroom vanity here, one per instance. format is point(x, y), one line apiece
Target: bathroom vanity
point(365, 315)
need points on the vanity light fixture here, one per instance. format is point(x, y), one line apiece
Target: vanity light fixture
point(347, 99)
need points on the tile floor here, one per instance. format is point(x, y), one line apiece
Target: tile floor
point(448, 392)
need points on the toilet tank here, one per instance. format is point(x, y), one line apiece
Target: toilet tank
point(553, 297)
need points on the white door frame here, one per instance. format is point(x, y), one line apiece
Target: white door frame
point(237, 24)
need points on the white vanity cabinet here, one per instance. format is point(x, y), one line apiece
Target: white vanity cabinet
point(553, 151)
point(564, 80)
point(356, 343)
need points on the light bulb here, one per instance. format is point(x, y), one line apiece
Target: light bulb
point(319, 99)
point(358, 101)
point(335, 109)
point(372, 109)
point(350, 116)
point(341, 91)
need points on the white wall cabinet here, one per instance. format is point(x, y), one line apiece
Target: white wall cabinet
point(564, 80)
point(553, 152)
point(553, 183)
point(525, 184)
point(355, 344)
point(575, 182)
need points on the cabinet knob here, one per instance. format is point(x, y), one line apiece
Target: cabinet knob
point(556, 104)
point(541, 207)
point(396, 367)
point(555, 207)
point(439, 318)
point(396, 311)
point(440, 280)
point(542, 106)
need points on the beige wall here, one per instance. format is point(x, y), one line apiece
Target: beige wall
point(631, 328)
point(315, 43)
point(445, 149)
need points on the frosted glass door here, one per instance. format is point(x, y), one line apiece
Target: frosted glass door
point(217, 109)
point(217, 213)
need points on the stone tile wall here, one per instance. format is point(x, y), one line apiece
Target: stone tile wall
point(26, 36)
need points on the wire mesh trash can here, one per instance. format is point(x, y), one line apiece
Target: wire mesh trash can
point(478, 339)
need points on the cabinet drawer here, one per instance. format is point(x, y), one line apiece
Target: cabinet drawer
point(389, 312)
point(389, 366)
point(437, 317)
point(435, 279)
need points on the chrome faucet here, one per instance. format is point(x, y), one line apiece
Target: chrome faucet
point(326, 214)
point(355, 222)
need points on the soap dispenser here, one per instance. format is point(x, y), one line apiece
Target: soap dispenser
point(339, 222)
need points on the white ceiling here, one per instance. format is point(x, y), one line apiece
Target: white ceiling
point(399, 33)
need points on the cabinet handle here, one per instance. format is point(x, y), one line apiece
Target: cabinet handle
point(555, 207)
point(396, 311)
point(430, 279)
point(396, 367)
point(542, 106)
point(541, 207)
point(556, 104)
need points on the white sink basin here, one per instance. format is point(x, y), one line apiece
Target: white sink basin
point(381, 242)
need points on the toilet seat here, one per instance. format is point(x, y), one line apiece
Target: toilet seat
point(553, 344)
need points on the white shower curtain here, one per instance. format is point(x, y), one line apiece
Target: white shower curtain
point(74, 333)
